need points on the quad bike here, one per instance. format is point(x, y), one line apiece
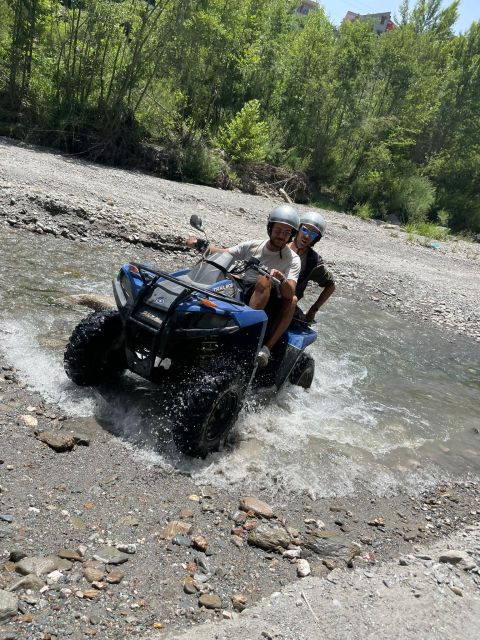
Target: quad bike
point(191, 331)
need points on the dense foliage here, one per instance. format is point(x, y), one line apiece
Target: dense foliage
point(386, 124)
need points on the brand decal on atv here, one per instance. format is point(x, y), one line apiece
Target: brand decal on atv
point(226, 289)
point(148, 315)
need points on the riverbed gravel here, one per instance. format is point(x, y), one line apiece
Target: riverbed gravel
point(97, 542)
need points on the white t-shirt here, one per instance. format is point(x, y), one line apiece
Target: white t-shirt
point(288, 263)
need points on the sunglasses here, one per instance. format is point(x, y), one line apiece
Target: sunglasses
point(310, 234)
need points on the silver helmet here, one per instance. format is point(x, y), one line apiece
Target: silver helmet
point(314, 219)
point(285, 214)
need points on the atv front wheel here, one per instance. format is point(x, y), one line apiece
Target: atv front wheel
point(95, 351)
point(208, 410)
point(303, 371)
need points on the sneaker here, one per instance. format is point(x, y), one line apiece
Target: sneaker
point(263, 356)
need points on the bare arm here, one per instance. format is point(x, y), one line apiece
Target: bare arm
point(191, 243)
point(322, 298)
point(287, 287)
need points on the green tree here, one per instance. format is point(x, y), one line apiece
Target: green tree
point(245, 137)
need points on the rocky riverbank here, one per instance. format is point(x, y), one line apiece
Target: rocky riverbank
point(98, 542)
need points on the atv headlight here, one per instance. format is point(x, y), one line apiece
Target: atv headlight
point(204, 321)
point(125, 284)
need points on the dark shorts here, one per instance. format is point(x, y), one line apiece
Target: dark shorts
point(273, 305)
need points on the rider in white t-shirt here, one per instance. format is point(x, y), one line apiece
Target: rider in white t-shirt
point(282, 263)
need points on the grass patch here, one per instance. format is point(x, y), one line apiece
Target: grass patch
point(428, 230)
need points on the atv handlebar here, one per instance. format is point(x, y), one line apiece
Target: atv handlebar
point(254, 263)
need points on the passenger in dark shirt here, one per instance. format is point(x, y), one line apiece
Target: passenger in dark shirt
point(311, 230)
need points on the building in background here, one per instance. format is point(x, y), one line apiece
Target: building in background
point(381, 21)
point(306, 6)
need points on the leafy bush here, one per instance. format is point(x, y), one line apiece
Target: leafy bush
point(443, 217)
point(200, 164)
point(363, 211)
point(412, 197)
point(245, 137)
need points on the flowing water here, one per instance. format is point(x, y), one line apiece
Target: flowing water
point(393, 404)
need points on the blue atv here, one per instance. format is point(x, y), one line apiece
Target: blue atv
point(191, 332)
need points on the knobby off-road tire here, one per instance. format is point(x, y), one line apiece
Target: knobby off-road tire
point(303, 371)
point(206, 411)
point(95, 351)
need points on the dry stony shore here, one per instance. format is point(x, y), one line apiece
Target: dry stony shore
point(95, 543)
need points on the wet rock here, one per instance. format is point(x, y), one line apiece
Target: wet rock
point(459, 558)
point(110, 555)
point(269, 538)
point(59, 442)
point(329, 544)
point(175, 528)
point(8, 604)
point(81, 438)
point(210, 601)
point(257, 507)
point(36, 565)
point(96, 302)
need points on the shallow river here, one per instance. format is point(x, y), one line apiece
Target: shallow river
point(392, 405)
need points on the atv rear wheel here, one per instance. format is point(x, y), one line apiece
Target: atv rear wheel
point(95, 351)
point(208, 410)
point(303, 371)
